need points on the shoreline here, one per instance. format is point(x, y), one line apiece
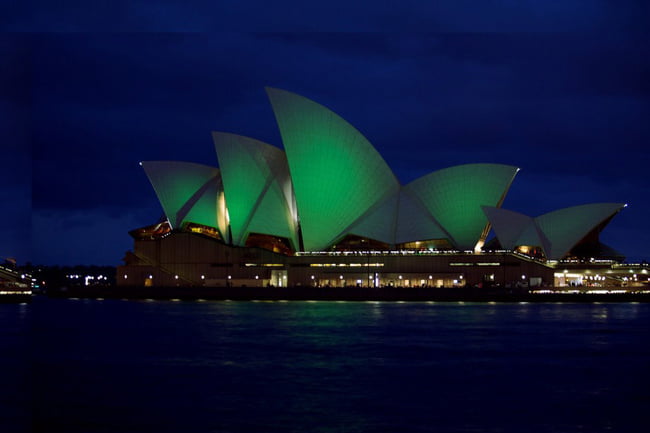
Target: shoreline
point(389, 294)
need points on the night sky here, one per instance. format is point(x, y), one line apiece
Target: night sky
point(78, 111)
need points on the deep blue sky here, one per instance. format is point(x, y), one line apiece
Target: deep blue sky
point(332, 15)
point(80, 110)
point(15, 172)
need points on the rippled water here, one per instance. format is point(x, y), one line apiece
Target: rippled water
point(125, 366)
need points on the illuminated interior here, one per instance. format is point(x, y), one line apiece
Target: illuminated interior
point(531, 251)
point(359, 243)
point(430, 244)
point(201, 229)
point(154, 231)
point(276, 244)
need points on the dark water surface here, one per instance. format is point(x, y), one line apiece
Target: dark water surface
point(129, 366)
point(15, 367)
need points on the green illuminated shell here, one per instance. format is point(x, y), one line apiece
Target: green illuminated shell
point(454, 196)
point(337, 174)
point(188, 192)
point(511, 228)
point(257, 185)
point(379, 221)
point(415, 223)
point(556, 232)
point(566, 227)
point(332, 182)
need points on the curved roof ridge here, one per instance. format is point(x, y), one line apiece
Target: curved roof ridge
point(496, 164)
point(605, 205)
point(277, 91)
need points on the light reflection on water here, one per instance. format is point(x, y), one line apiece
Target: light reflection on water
point(331, 366)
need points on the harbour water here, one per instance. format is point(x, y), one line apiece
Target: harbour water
point(15, 367)
point(164, 366)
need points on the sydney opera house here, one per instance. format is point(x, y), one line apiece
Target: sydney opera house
point(326, 210)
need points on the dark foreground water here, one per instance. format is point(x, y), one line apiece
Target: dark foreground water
point(15, 367)
point(127, 366)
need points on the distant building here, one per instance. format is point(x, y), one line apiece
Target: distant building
point(329, 211)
